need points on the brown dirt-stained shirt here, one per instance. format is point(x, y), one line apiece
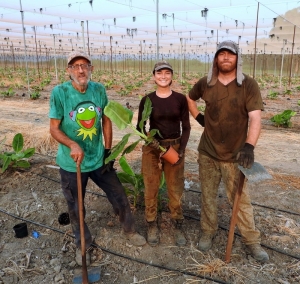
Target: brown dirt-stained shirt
point(170, 116)
point(226, 116)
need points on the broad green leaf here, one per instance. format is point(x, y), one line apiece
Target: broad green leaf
point(126, 178)
point(29, 152)
point(6, 163)
point(17, 156)
point(131, 147)
point(146, 112)
point(126, 167)
point(119, 115)
point(116, 150)
point(18, 142)
point(22, 164)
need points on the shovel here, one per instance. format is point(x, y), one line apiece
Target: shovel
point(94, 274)
point(256, 173)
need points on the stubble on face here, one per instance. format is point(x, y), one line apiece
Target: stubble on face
point(226, 62)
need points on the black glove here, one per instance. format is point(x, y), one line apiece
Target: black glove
point(200, 119)
point(246, 156)
point(154, 144)
point(181, 156)
point(110, 165)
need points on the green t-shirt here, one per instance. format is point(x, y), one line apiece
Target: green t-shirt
point(80, 115)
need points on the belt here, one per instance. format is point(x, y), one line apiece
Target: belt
point(169, 142)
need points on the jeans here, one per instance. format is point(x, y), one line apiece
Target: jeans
point(174, 175)
point(115, 193)
point(210, 173)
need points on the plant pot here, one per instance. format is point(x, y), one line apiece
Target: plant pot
point(21, 230)
point(170, 155)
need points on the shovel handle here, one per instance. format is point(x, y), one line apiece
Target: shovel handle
point(233, 220)
point(81, 224)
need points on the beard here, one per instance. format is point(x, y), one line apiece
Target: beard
point(79, 83)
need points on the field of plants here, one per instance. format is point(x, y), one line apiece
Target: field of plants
point(30, 190)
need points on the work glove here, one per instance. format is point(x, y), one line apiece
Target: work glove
point(110, 165)
point(200, 119)
point(246, 156)
point(180, 155)
point(154, 144)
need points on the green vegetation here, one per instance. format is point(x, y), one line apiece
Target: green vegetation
point(272, 95)
point(283, 119)
point(122, 117)
point(8, 93)
point(17, 158)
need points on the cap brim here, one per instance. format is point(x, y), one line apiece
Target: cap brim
point(226, 47)
point(163, 67)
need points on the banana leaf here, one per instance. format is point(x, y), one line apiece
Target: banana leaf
point(116, 150)
point(119, 115)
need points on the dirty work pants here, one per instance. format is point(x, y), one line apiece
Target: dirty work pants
point(210, 173)
point(174, 175)
point(115, 193)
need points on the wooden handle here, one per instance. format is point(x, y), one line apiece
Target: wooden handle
point(233, 220)
point(81, 223)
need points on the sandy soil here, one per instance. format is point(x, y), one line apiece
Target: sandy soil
point(34, 196)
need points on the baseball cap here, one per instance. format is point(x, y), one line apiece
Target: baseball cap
point(75, 54)
point(228, 45)
point(162, 65)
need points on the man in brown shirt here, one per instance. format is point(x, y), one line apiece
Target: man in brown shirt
point(232, 123)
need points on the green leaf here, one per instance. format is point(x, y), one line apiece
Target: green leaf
point(126, 178)
point(17, 156)
point(6, 163)
point(18, 142)
point(29, 152)
point(126, 167)
point(116, 150)
point(146, 112)
point(118, 114)
point(22, 164)
point(131, 147)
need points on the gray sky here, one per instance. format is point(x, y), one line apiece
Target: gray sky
point(190, 25)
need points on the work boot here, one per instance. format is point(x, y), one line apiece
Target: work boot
point(78, 257)
point(152, 233)
point(257, 252)
point(205, 241)
point(135, 239)
point(180, 239)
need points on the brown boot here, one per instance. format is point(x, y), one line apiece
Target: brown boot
point(135, 239)
point(180, 239)
point(258, 253)
point(205, 241)
point(152, 233)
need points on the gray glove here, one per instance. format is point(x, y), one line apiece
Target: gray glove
point(110, 165)
point(200, 119)
point(246, 156)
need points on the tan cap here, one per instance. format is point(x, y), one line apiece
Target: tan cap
point(162, 65)
point(75, 54)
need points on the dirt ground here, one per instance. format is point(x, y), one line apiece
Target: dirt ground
point(34, 196)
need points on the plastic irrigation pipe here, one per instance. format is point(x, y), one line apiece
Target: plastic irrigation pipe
point(119, 254)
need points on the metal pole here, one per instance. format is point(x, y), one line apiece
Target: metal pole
point(157, 31)
point(282, 61)
point(37, 57)
point(87, 30)
point(22, 17)
point(292, 56)
point(82, 26)
point(55, 59)
point(254, 67)
point(180, 60)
